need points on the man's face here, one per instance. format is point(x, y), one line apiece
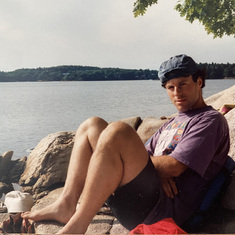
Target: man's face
point(184, 93)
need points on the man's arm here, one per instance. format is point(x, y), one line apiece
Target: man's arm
point(167, 168)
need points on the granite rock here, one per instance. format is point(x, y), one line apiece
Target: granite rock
point(102, 223)
point(149, 126)
point(224, 97)
point(47, 164)
point(10, 171)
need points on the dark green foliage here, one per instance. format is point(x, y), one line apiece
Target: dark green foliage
point(217, 16)
point(86, 73)
point(140, 6)
point(219, 71)
point(77, 73)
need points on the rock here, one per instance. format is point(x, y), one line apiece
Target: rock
point(102, 223)
point(149, 126)
point(47, 227)
point(230, 116)
point(47, 200)
point(47, 164)
point(10, 171)
point(7, 157)
point(5, 188)
point(3, 216)
point(224, 97)
point(17, 168)
point(134, 122)
point(117, 228)
point(5, 165)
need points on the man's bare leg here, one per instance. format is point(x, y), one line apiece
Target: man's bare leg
point(85, 142)
point(118, 158)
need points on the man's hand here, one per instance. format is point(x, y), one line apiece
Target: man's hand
point(169, 187)
point(168, 168)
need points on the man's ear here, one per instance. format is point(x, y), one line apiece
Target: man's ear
point(200, 82)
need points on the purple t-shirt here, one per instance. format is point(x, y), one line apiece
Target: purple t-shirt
point(199, 139)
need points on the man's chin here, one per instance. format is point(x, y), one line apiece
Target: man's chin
point(182, 109)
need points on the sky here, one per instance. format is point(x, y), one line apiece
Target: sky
point(104, 33)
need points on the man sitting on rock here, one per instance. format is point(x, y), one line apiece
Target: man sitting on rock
point(166, 178)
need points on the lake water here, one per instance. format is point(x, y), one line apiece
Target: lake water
point(29, 111)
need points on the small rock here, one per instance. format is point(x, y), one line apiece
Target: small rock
point(5, 188)
point(17, 168)
point(5, 165)
point(101, 224)
point(117, 228)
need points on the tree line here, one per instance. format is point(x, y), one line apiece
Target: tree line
point(218, 71)
point(87, 73)
point(77, 73)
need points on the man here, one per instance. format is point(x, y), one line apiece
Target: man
point(144, 184)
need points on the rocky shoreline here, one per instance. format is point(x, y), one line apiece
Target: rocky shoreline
point(43, 173)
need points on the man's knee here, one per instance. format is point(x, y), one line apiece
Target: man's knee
point(92, 123)
point(118, 131)
point(119, 126)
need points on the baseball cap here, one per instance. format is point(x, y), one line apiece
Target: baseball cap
point(177, 66)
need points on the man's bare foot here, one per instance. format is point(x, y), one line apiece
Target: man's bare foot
point(60, 211)
point(78, 224)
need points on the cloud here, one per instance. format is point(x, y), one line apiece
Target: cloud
point(42, 33)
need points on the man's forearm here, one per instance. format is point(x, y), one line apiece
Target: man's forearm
point(168, 166)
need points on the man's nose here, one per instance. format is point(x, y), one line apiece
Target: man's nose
point(177, 91)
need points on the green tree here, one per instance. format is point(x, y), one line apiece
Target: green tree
point(217, 16)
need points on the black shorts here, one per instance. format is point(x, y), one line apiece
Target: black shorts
point(132, 202)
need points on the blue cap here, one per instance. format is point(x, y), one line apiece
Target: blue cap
point(177, 66)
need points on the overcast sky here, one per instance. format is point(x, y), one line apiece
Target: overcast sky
point(104, 33)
